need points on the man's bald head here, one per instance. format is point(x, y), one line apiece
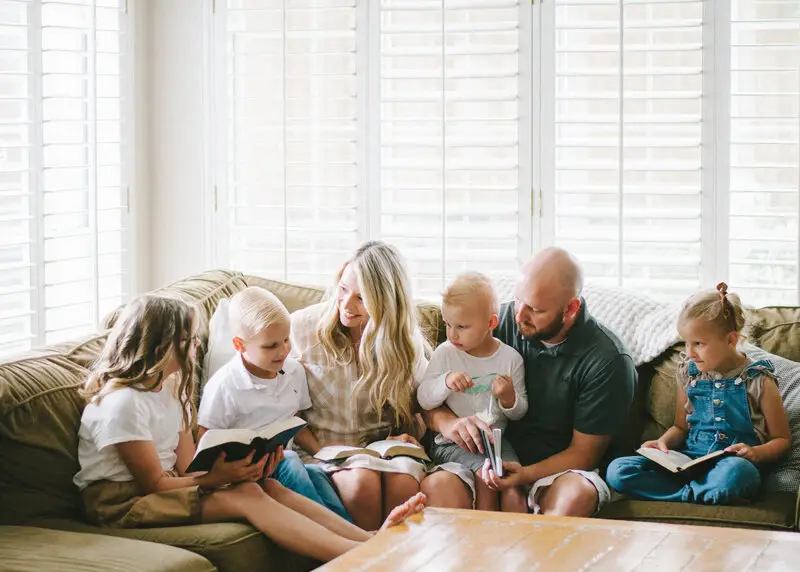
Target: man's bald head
point(555, 270)
point(547, 294)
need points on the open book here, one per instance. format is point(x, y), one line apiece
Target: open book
point(382, 449)
point(678, 462)
point(237, 443)
point(492, 448)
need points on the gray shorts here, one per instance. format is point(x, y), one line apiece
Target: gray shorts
point(449, 452)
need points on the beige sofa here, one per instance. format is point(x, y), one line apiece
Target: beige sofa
point(41, 524)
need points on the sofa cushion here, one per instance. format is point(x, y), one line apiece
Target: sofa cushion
point(231, 547)
point(661, 393)
point(777, 511)
point(786, 477)
point(40, 412)
point(776, 330)
point(28, 549)
point(293, 296)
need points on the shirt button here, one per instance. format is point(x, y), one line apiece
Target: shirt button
point(717, 419)
point(718, 385)
point(717, 402)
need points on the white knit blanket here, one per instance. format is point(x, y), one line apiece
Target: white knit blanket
point(646, 326)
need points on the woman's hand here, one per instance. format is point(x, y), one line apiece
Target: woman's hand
point(404, 437)
point(223, 472)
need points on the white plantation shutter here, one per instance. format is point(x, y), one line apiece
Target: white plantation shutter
point(627, 103)
point(450, 129)
point(63, 187)
point(288, 181)
point(765, 150)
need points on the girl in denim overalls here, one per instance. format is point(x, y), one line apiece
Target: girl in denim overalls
point(725, 401)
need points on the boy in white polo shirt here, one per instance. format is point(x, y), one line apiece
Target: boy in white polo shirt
point(261, 385)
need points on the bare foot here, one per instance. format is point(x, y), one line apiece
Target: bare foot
point(401, 512)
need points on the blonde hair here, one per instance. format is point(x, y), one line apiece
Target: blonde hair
point(253, 310)
point(716, 307)
point(469, 289)
point(386, 354)
point(148, 335)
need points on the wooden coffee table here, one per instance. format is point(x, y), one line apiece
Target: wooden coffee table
point(441, 540)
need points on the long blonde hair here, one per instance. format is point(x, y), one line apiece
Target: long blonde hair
point(150, 332)
point(386, 353)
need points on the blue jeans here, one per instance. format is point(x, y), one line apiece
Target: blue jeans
point(309, 481)
point(730, 480)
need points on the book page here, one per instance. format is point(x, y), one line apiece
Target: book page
point(332, 452)
point(671, 460)
point(390, 447)
point(277, 427)
point(214, 437)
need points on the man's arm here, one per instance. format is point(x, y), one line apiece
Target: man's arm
point(463, 431)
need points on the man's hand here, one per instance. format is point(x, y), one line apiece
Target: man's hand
point(457, 381)
point(514, 475)
point(466, 433)
point(503, 390)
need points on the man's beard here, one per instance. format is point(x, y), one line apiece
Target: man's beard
point(548, 332)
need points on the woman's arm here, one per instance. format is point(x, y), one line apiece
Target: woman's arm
point(777, 429)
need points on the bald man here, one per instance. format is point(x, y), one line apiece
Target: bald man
point(580, 380)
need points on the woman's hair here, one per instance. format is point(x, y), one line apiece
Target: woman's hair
point(149, 334)
point(470, 289)
point(253, 310)
point(715, 307)
point(386, 354)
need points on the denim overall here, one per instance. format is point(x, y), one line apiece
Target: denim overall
point(721, 417)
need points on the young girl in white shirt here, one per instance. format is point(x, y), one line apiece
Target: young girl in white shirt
point(135, 444)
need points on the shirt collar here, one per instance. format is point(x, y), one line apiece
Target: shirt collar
point(242, 379)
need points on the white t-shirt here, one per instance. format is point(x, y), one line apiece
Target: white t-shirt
point(433, 391)
point(236, 399)
point(126, 415)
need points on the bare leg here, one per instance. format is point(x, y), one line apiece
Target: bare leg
point(485, 498)
point(569, 495)
point(397, 489)
point(361, 493)
point(314, 511)
point(288, 528)
point(446, 490)
point(514, 500)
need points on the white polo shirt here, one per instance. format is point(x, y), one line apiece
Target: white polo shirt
point(235, 399)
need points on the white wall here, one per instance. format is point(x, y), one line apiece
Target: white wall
point(171, 220)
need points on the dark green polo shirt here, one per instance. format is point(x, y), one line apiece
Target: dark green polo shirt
point(585, 383)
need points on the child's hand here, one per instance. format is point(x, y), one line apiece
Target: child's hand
point(458, 381)
point(745, 451)
point(503, 390)
point(273, 460)
point(655, 444)
point(224, 473)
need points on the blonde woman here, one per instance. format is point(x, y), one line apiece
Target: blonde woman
point(364, 357)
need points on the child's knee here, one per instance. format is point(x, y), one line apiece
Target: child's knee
point(621, 469)
point(740, 474)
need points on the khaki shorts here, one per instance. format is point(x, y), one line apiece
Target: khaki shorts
point(603, 492)
point(120, 504)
